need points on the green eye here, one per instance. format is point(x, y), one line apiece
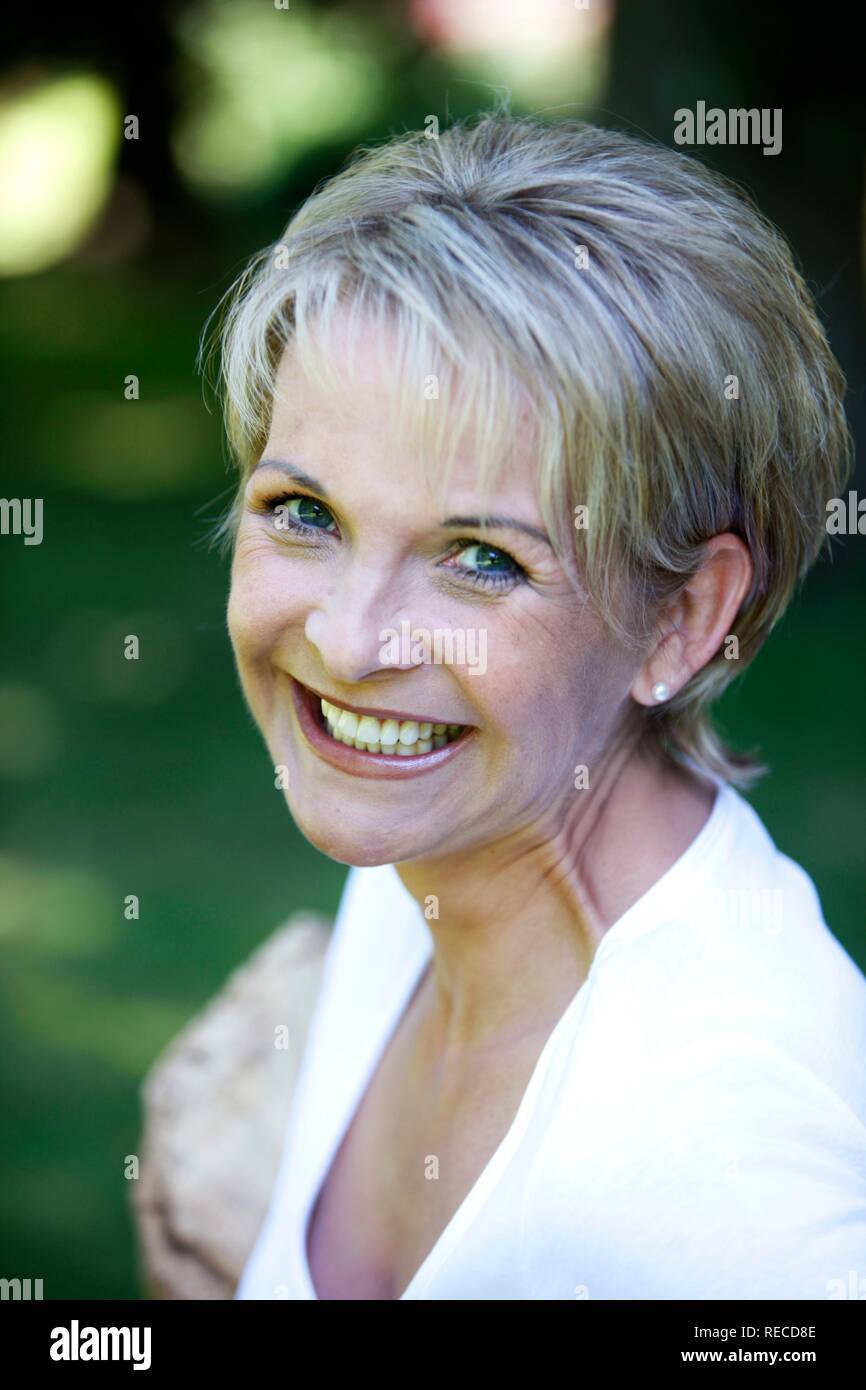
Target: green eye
point(493, 569)
point(489, 560)
point(311, 515)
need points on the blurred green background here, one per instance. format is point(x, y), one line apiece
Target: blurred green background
point(148, 777)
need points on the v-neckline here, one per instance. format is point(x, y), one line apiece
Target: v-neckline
point(464, 1211)
point(711, 833)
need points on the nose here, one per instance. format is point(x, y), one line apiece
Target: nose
point(350, 629)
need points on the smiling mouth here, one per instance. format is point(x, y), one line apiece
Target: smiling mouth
point(397, 738)
point(394, 745)
point(389, 737)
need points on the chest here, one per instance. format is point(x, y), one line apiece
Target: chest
point(415, 1149)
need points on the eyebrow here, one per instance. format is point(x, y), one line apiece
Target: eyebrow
point(461, 523)
point(496, 523)
point(305, 479)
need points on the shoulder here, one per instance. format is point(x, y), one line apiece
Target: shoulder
point(743, 954)
point(726, 1171)
point(705, 1135)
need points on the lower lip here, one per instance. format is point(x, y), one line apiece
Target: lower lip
point(356, 760)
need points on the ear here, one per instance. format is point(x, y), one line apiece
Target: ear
point(700, 618)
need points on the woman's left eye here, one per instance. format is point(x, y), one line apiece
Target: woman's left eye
point(311, 515)
point(491, 568)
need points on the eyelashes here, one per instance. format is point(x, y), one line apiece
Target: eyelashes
point(489, 579)
point(288, 523)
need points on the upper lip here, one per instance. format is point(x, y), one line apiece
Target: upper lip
point(376, 713)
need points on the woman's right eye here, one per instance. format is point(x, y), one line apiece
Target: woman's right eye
point(295, 511)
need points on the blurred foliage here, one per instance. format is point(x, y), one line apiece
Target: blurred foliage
point(159, 786)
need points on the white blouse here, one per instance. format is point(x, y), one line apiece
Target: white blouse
point(695, 1126)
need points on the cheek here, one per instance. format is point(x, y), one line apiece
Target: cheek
point(257, 621)
point(248, 623)
point(260, 607)
point(555, 682)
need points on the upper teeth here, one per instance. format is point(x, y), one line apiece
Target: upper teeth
point(400, 736)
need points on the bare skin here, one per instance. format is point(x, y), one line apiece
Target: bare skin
point(378, 1215)
point(529, 872)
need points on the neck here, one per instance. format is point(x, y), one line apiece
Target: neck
point(519, 921)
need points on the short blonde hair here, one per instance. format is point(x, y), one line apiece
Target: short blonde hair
point(640, 307)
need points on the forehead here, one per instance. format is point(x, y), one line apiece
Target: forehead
point(356, 393)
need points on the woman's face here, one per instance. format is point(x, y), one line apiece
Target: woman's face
point(326, 568)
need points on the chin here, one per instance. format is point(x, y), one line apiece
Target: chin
point(353, 844)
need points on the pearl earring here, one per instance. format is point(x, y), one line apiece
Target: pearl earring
point(660, 691)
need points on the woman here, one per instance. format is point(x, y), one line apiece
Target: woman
point(536, 427)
